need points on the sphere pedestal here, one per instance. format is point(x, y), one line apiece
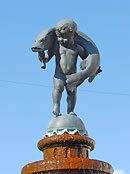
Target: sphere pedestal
point(66, 147)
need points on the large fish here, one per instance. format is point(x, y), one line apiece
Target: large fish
point(90, 65)
point(44, 41)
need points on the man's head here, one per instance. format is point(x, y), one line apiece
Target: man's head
point(65, 30)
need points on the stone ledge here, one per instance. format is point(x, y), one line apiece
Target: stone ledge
point(66, 139)
point(67, 164)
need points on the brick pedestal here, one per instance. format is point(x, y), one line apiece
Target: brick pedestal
point(67, 154)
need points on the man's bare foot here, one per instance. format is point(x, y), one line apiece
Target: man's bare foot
point(56, 110)
point(72, 113)
point(56, 114)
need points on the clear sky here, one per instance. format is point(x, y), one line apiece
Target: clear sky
point(25, 89)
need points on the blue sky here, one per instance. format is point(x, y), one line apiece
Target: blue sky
point(25, 106)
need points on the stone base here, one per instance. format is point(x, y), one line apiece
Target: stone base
point(68, 166)
point(67, 154)
point(66, 146)
point(66, 123)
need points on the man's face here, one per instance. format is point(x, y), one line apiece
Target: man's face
point(65, 35)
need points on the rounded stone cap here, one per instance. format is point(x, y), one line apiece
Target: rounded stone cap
point(66, 123)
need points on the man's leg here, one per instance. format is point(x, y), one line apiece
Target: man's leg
point(57, 93)
point(71, 101)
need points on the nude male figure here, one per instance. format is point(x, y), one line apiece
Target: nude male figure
point(66, 52)
point(66, 43)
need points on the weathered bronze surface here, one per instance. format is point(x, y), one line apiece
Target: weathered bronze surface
point(66, 145)
point(66, 43)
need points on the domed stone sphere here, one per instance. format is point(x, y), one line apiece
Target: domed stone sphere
point(66, 123)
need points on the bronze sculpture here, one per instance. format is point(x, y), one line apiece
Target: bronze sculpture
point(66, 43)
point(66, 145)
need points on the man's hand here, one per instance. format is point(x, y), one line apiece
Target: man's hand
point(41, 56)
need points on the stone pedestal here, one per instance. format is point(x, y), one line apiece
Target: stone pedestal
point(66, 147)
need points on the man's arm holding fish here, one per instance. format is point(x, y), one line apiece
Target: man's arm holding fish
point(45, 57)
point(82, 53)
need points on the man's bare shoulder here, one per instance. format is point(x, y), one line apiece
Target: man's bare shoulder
point(81, 51)
point(79, 48)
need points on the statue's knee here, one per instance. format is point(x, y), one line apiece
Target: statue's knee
point(59, 88)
